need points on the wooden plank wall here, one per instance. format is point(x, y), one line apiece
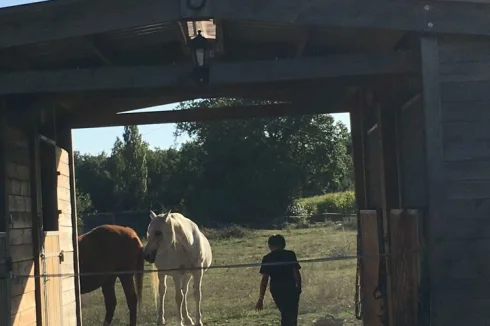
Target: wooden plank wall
point(4, 275)
point(66, 232)
point(457, 88)
point(23, 296)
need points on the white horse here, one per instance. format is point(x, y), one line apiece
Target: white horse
point(175, 242)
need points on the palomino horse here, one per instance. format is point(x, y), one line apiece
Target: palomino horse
point(105, 251)
point(175, 242)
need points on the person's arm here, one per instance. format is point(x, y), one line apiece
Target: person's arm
point(263, 285)
point(297, 278)
point(296, 273)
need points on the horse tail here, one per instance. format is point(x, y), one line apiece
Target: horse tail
point(138, 277)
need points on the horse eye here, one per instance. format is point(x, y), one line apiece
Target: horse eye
point(158, 233)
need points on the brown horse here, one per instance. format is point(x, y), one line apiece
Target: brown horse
point(111, 249)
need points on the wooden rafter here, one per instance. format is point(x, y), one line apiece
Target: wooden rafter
point(81, 18)
point(205, 114)
point(221, 73)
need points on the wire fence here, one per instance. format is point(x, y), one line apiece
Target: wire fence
point(14, 276)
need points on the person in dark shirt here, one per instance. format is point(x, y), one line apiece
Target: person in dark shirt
point(283, 268)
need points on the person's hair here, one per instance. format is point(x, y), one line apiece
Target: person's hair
point(277, 240)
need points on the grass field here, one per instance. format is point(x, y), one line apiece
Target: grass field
point(229, 295)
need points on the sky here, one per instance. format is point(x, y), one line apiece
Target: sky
point(96, 140)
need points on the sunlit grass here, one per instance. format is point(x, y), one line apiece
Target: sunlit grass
point(229, 295)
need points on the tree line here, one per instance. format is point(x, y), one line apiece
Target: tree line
point(234, 171)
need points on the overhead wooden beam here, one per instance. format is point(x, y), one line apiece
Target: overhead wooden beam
point(303, 37)
point(420, 16)
point(94, 47)
point(43, 22)
point(220, 37)
point(183, 34)
point(49, 21)
point(205, 114)
point(221, 73)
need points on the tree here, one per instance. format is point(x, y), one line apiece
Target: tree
point(252, 169)
point(93, 179)
point(129, 170)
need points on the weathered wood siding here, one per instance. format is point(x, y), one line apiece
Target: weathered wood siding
point(66, 232)
point(23, 294)
point(460, 227)
point(4, 279)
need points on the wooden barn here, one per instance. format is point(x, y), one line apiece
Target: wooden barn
point(414, 75)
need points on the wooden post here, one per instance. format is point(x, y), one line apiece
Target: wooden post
point(4, 212)
point(357, 135)
point(65, 139)
point(37, 222)
point(434, 155)
point(386, 118)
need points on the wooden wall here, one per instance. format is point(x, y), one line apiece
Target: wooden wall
point(23, 294)
point(457, 114)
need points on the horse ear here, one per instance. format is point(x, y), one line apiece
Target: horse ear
point(152, 215)
point(168, 214)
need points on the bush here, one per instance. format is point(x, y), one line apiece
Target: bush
point(341, 202)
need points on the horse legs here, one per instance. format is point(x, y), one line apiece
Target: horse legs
point(197, 276)
point(179, 297)
point(110, 300)
point(185, 287)
point(162, 291)
point(131, 297)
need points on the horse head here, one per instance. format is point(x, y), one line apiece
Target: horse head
point(160, 235)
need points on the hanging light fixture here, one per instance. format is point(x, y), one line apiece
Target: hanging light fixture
point(200, 53)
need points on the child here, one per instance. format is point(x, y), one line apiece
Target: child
point(285, 280)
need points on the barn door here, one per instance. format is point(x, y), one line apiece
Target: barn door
point(51, 259)
point(51, 254)
point(368, 229)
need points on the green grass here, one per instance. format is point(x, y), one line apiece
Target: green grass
point(229, 295)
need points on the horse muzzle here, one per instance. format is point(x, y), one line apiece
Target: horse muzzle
point(150, 257)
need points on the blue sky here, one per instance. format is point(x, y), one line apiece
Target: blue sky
point(96, 140)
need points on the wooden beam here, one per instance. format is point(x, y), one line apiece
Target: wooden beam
point(221, 73)
point(50, 21)
point(206, 114)
point(44, 22)
point(303, 37)
point(92, 44)
point(419, 16)
point(183, 36)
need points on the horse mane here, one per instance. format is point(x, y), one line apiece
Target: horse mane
point(170, 221)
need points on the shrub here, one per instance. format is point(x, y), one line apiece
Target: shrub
point(342, 203)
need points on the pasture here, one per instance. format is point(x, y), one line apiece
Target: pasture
point(229, 295)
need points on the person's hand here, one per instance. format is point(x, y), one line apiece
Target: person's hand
point(260, 304)
point(298, 286)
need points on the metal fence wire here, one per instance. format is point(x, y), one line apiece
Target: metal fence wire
point(14, 276)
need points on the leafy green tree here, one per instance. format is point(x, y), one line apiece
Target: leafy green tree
point(93, 179)
point(252, 169)
point(129, 170)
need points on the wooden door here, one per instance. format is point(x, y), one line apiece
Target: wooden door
point(4, 279)
point(368, 228)
point(51, 281)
